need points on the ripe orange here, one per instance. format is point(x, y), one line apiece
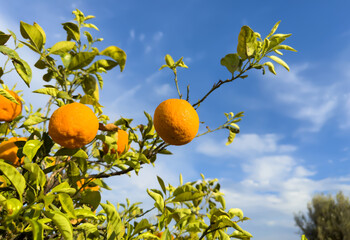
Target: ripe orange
point(81, 182)
point(8, 151)
point(10, 110)
point(159, 234)
point(73, 125)
point(122, 139)
point(176, 121)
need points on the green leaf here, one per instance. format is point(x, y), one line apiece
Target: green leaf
point(64, 95)
point(180, 63)
point(37, 174)
point(72, 31)
point(236, 212)
point(117, 54)
point(41, 31)
point(40, 64)
point(188, 196)
point(161, 183)
point(271, 67)
point(223, 235)
point(24, 71)
point(90, 86)
point(159, 201)
point(247, 42)
point(4, 38)
point(273, 30)
point(73, 169)
point(303, 237)
point(37, 229)
point(163, 67)
point(284, 47)
point(150, 127)
point(7, 95)
point(105, 64)
point(64, 188)
point(48, 199)
point(33, 120)
point(169, 60)
point(62, 47)
point(279, 61)
point(93, 198)
point(114, 224)
point(62, 222)
point(166, 152)
point(89, 229)
point(72, 152)
point(90, 25)
point(33, 34)
point(230, 138)
point(16, 179)
point(232, 62)
point(88, 36)
point(277, 39)
point(66, 59)
point(67, 204)
point(142, 225)
point(21, 66)
point(81, 60)
point(48, 91)
point(31, 147)
point(84, 213)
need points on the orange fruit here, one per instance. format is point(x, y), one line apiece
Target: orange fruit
point(73, 125)
point(159, 234)
point(176, 121)
point(122, 139)
point(10, 110)
point(8, 151)
point(81, 182)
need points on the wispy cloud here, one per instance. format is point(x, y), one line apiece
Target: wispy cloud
point(306, 101)
point(245, 145)
point(272, 183)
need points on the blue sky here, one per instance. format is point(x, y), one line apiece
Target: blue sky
point(295, 133)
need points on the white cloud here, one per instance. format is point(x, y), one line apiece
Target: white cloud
point(163, 90)
point(158, 36)
point(304, 99)
point(268, 183)
point(148, 49)
point(245, 145)
point(132, 34)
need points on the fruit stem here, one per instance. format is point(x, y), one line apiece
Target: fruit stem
point(176, 83)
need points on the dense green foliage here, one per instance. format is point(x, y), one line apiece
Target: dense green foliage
point(327, 218)
point(42, 198)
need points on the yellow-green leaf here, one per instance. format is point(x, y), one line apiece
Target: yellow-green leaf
point(117, 54)
point(279, 61)
point(62, 47)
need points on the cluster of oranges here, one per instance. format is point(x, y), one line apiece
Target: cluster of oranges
point(74, 125)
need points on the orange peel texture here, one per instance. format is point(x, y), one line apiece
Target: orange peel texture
point(176, 121)
point(73, 125)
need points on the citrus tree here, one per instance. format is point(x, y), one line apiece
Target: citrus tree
point(53, 160)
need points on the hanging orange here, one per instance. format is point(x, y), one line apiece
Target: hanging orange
point(8, 151)
point(73, 125)
point(176, 121)
point(8, 109)
point(122, 140)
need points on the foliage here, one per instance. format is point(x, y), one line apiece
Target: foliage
point(56, 193)
point(326, 218)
